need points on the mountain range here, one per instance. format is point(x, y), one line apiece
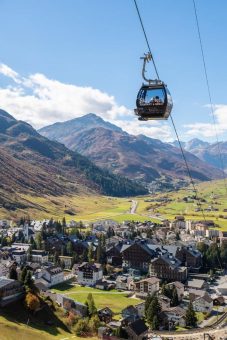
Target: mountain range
point(136, 157)
point(207, 152)
point(33, 164)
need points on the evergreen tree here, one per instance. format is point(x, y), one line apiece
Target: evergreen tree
point(154, 309)
point(38, 240)
point(56, 259)
point(23, 274)
point(155, 323)
point(174, 300)
point(33, 244)
point(190, 318)
point(85, 255)
point(58, 227)
point(28, 280)
point(99, 252)
point(13, 273)
point(90, 253)
point(147, 304)
point(69, 248)
point(64, 225)
point(92, 310)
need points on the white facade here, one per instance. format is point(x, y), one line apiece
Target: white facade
point(53, 275)
point(19, 256)
point(148, 286)
point(88, 274)
point(39, 256)
point(176, 315)
point(203, 304)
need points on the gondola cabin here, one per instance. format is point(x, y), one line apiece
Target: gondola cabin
point(154, 101)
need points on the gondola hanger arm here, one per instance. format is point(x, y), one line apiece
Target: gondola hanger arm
point(146, 58)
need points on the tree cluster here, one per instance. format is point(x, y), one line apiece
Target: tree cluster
point(214, 256)
point(152, 311)
point(171, 293)
point(191, 319)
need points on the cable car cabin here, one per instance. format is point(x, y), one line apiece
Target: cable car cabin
point(153, 101)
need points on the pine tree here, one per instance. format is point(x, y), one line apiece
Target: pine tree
point(28, 280)
point(13, 273)
point(174, 300)
point(63, 225)
point(99, 252)
point(153, 310)
point(147, 303)
point(23, 274)
point(69, 248)
point(90, 253)
point(85, 255)
point(155, 323)
point(191, 319)
point(38, 240)
point(92, 310)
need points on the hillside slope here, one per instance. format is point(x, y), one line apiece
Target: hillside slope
point(137, 157)
point(30, 163)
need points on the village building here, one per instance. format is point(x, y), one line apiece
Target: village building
point(39, 256)
point(179, 288)
point(197, 284)
point(123, 282)
point(147, 286)
point(20, 256)
point(67, 261)
point(168, 267)
point(105, 314)
point(89, 273)
point(138, 256)
point(203, 303)
point(173, 316)
point(53, 276)
point(10, 291)
point(190, 257)
point(137, 330)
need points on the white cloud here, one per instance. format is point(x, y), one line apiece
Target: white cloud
point(210, 129)
point(41, 101)
point(8, 72)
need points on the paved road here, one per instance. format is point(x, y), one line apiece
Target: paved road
point(216, 334)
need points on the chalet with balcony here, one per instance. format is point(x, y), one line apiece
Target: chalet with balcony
point(89, 273)
point(137, 256)
point(168, 267)
point(53, 276)
point(147, 286)
point(190, 257)
point(10, 290)
point(39, 256)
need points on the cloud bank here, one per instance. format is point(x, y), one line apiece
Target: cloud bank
point(41, 101)
point(209, 130)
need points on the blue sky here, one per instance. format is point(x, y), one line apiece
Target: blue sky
point(61, 59)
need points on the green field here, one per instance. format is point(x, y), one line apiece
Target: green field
point(112, 299)
point(16, 323)
point(213, 192)
point(90, 208)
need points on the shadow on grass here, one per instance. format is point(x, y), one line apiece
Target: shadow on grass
point(45, 320)
point(63, 286)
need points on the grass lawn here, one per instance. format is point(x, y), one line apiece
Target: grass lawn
point(90, 208)
point(113, 299)
point(200, 316)
point(13, 331)
point(14, 318)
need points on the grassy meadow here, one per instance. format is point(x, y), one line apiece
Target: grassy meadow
point(90, 208)
point(113, 299)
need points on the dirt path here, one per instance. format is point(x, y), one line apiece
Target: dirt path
point(133, 207)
